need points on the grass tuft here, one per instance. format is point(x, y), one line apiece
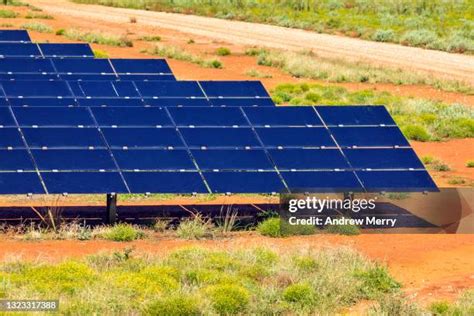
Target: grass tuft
point(38, 27)
point(195, 228)
point(178, 53)
point(41, 16)
point(223, 51)
point(470, 164)
point(8, 14)
point(100, 54)
point(122, 232)
point(98, 38)
point(151, 38)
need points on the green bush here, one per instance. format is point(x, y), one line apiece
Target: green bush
point(38, 27)
point(223, 51)
point(427, 160)
point(383, 36)
point(60, 32)
point(416, 132)
point(270, 227)
point(376, 281)
point(419, 38)
point(470, 164)
point(123, 232)
point(174, 306)
point(439, 308)
point(301, 293)
point(228, 299)
point(195, 228)
point(395, 304)
point(8, 14)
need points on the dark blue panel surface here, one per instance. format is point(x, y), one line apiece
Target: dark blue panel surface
point(208, 116)
point(241, 102)
point(28, 77)
point(14, 36)
point(126, 89)
point(179, 102)
point(355, 115)
point(165, 182)
point(66, 50)
point(132, 116)
point(322, 181)
point(283, 116)
point(142, 137)
point(83, 182)
point(153, 159)
point(295, 137)
point(13, 160)
point(232, 159)
point(42, 102)
point(10, 137)
point(63, 137)
point(88, 77)
point(53, 116)
point(215, 89)
point(84, 66)
point(4, 102)
point(397, 181)
point(20, 183)
point(6, 118)
point(244, 182)
point(308, 159)
point(220, 137)
point(170, 89)
point(26, 65)
point(369, 136)
point(73, 159)
point(148, 77)
point(98, 89)
point(400, 158)
point(19, 50)
point(36, 89)
point(140, 66)
point(110, 102)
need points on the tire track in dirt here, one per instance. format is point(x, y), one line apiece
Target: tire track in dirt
point(440, 64)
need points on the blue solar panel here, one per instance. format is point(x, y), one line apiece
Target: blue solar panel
point(177, 102)
point(53, 116)
point(208, 116)
point(220, 137)
point(148, 77)
point(14, 160)
point(88, 77)
point(126, 89)
point(10, 137)
point(83, 66)
point(26, 65)
point(66, 50)
point(232, 160)
point(308, 159)
point(153, 160)
point(123, 117)
point(169, 89)
point(369, 136)
point(14, 36)
point(355, 115)
point(142, 137)
point(36, 89)
point(6, 118)
point(218, 89)
point(97, 89)
point(20, 183)
point(110, 102)
point(283, 116)
point(83, 182)
point(242, 102)
point(401, 158)
point(19, 50)
point(141, 66)
point(244, 182)
point(34, 102)
point(28, 77)
point(396, 181)
point(165, 182)
point(295, 137)
point(322, 181)
point(63, 137)
point(73, 160)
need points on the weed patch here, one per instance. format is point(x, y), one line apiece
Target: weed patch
point(40, 16)
point(195, 228)
point(223, 51)
point(38, 27)
point(177, 53)
point(8, 14)
point(98, 38)
point(121, 232)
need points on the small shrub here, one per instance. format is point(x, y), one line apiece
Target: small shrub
point(305, 263)
point(223, 51)
point(123, 232)
point(191, 41)
point(8, 14)
point(195, 228)
point(160, 225)
point(395, 305)
point(419, 38)
point(41, 16)
point(438, 165)
point(100, 54)
point(228, 299)
point(213, 63)
point(133, 20)
point(38, 27)
point(439, 308)
point(60, 32)
point(457, 181)
point(427, 160)
point(257, 74)
point(470, 164)
point(270, 227)
point(300, 293)
point(375, 281)
point(99, 38)
point(416, 132)
point(383, 36)
point(153, 38)
point(174, 306)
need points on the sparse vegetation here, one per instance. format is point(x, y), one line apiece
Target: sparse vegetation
point(178, 53)
point(133, 20)
point(191, 41)
point(463, 306)
point(8, 14)
point(257, 74)
point(38, 27)
point(274, 227)
point(196, 227)
point(151, 38)
point(419, 119)
point(98, 38)
point(120, 232)
point(41, 16)
point(223, 51)
point(100, 54)
point(470, 164)
point(457, 181)
point(415, 23)
point(196, 281)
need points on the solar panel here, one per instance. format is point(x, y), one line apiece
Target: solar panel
point(14, 36)
point(287, 137)
point(261, 182)
point(10, 138)
point(53, 117)
point(219, 137)
point(228, 160)
point(401, 158)
point(20, 183)
point(308, 159)
point(141, 66)
point(170, 89)
point(19, 50)
point(65, 138)
point(208, 116)
point(235, 89)
point(242, 102)
point(26, 66)
point(405, 181)
point(110, 102)
point(83, 182)
point(15, 160)
point(357, 115)
point(152, 160)
point(6, 118)
point(66, 50)
point(42, 102)
point(83, 66)
point(28, 89)
point(158, 138)
point(73, 160)
point(283, 116)
point(132, 117)
point(177, 102)
point(369, 136)
point(322, 181)
point(165, 182)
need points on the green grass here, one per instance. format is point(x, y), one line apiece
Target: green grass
point(257, 74)
point(178, 53)
point(197, 281)
point(435, 164)
point(121, 232)
point(195, 228)
point(8, 14)
point(463, 306)
point(41, 16)
point(97, 38)
point(223, 51)
point(437, 24)
point(470, 164)
point(419, 119)
point(274, 227)
point(38, 27)
point(151, 38)
point(308, 65)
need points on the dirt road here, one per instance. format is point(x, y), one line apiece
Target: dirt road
point(440, 64)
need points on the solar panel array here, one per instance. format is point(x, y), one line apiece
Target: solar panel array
point(21, 36)
point(130, 131)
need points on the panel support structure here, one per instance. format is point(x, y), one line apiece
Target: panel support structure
point(111, 208)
